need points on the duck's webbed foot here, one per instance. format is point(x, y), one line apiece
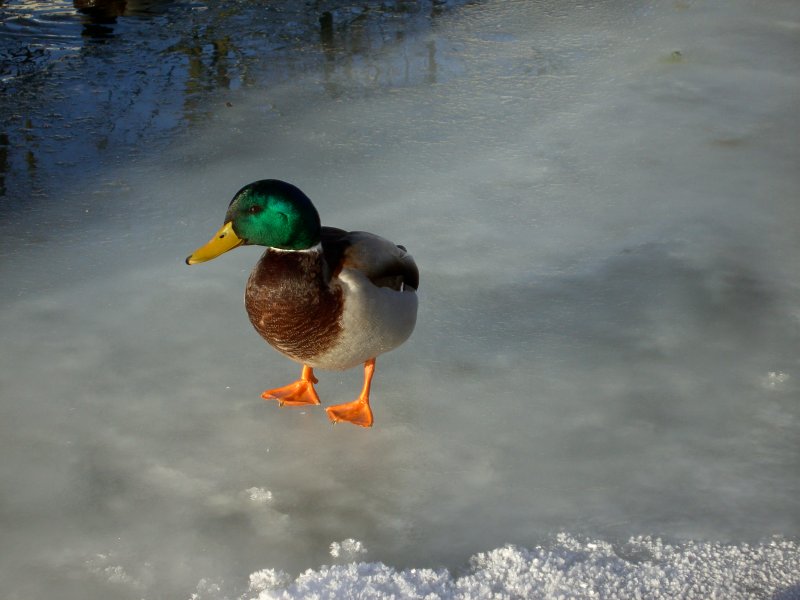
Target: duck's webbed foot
point(358, 411)
point(299, 393)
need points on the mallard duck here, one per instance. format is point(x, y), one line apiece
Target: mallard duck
point(324, 297)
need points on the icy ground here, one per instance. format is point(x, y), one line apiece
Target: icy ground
point(603, 201)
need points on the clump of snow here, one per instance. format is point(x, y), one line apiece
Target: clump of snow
point(347, 549)
point(268, 579)
point(259, 495)
point(569, 568)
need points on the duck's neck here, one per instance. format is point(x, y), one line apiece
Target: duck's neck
point(316, 248)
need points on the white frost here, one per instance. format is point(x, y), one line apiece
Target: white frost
point(259, 495)
point(571, 568)
point(347, 549)
point(268, 579)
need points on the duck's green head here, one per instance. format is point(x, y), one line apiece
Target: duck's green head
point(265, 213)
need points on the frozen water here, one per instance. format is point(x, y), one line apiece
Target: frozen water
point(602, 198)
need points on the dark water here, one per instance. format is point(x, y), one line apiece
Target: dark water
point(88, 85)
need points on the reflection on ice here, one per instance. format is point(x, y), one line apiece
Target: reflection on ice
point(95, 82)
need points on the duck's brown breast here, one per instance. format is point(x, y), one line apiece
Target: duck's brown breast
point(292, 306)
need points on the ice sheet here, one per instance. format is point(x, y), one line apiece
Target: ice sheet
point(602, 199)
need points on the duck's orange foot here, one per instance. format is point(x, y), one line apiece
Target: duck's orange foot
point(356, 412)
point(299, 393)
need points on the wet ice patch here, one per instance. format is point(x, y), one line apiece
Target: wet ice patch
point(643, 567)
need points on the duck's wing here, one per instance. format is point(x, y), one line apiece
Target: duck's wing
point(384, 263)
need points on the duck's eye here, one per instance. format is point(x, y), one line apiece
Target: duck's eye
point(255, 209)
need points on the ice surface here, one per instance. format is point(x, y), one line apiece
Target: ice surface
point(602, 199)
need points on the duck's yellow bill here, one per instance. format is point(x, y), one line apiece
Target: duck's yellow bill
point(225, 239)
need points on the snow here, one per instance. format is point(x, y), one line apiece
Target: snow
point(569, 568)
point(259, 495)
point(348, 548)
